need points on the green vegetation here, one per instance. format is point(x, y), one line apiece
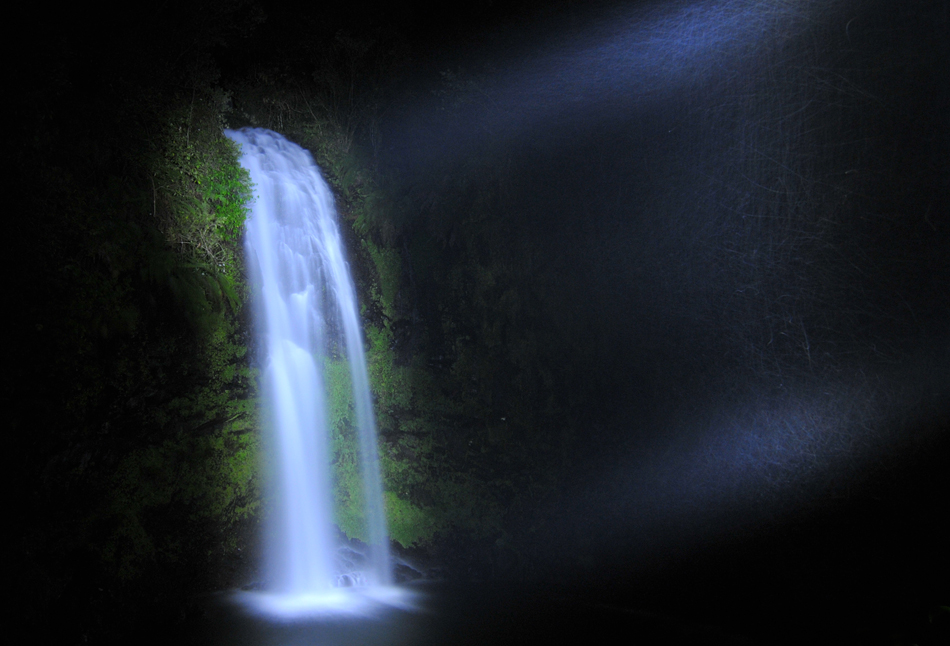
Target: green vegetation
point(206, 472)
point(194, 455)
point(131, 401)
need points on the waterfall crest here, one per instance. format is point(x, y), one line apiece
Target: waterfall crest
point(305, 307)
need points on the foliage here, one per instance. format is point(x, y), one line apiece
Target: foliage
point(347, 476)
point(385, 289)
point(408, 524)
point(200, 192)
point(134, 409)
point(208, 470)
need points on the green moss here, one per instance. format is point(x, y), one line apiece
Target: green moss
point(200, 192)
point(408, 524)
point(391, 384)
point(347, 476)
point(388, 271)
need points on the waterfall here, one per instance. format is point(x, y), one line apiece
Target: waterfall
point(306, 311)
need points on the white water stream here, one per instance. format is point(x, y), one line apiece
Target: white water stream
point(306, 307)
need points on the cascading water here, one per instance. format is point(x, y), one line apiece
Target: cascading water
point(306, 307)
